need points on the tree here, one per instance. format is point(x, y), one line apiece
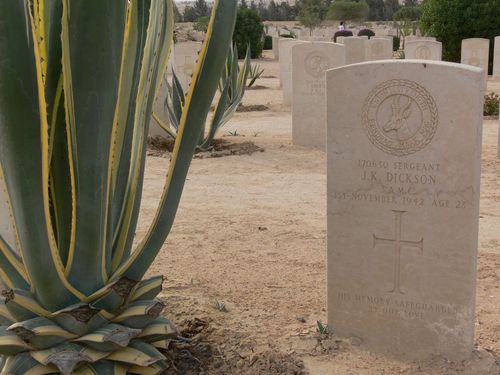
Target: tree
point(201, 9)
point(450, 21)
point(190, 14)
point(376, 10)
point(391, 6)
point(177, 14)
point(409, 13)
point(243, 4)
point(411, 3)
point(356, 10)
point(249, 30)
point(311, 13)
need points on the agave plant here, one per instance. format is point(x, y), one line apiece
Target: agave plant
point(77, 83)
point(255, 73)
point(231, 91)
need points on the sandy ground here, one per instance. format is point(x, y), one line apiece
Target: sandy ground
point(251, 234)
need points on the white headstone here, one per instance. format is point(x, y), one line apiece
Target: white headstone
point(423, 50)
point(285, 47)
point(309, 64)
point(378, 49)
point(276, 50)
point(355, 51)
point(475, 52)
point(496, 58)
point(403, 166)
point(185, 56)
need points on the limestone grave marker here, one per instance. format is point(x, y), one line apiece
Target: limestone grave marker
point(355, 51)
point(422, 49)
point(378, 49)
point(185, 56)
point(475, 52)
point(309, 64)
point(403, 164)
point(285, 46)
point(496, 58)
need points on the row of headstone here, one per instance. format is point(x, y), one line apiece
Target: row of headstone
point(357, 49)
point(403, 170)
point(475, 52)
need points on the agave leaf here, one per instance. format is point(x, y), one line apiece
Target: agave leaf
point(24, 154)
point(10, 343)
point(13, 273)
point(160, 329)
point(22, 305)
point(6, 317)
point(109, 338)
point(116, 296)
point(154, 369)
point(67, 357)
point(156, 50)
point(133, 54)
point(80, 318)
point(137, 353)
point(92, 40)
point(140, 314)
point(202, 90)
point(147, 289)
point(40, 333)
point(102, 368)
point(24, 364)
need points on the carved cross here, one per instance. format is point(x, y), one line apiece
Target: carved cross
point(398, 244)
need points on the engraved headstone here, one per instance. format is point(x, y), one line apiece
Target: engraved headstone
point(403, 205)
point(496, 58)
point(309, 64)
point(354, 49)
point(185, 56)
point(285, 46)
point(475, 52)
point(423, 50)
point(276, 53)
point(378, 49)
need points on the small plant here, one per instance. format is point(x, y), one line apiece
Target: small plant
point(232, 84)
point(491, 104)
point(233, 133)
point(248, 31)
point(395, 43)
point(268, 42)
point(254, 74)
point(341, 33)
point(366, 32)
point(202, 24)
point(321, 328)
point(221, 306)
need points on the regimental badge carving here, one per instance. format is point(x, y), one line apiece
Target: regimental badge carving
point(400, 117)
point(316, 64)
point(423, 52)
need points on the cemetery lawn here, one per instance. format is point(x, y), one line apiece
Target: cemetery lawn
point(250, 238)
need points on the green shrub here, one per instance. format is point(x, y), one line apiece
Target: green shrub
point(248, 31)
point(366, 32)
point(268, 42)
point(341, 33)
point(396, 41)
point(451, 21)
point(201, 24)
point(491, 104)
